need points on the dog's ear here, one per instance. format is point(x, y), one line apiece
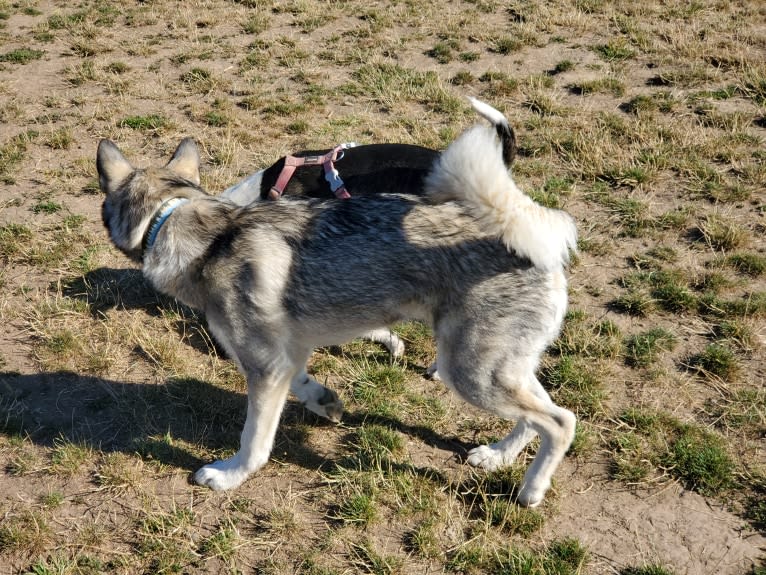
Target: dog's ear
point(185, 161)
point(112, 166)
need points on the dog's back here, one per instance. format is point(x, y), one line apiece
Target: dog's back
point(366, 170)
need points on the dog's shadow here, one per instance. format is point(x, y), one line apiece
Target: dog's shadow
point(104, 289)
point(183, 423)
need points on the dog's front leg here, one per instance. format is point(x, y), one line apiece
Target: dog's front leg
point(265, 400)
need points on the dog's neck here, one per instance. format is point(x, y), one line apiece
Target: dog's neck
point(173, 262)
point(158, 219)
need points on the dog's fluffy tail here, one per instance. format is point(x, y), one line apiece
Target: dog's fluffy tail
point(474, 168)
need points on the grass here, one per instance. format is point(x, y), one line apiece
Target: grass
point(747, 263)
point(562, 557)
point(658, 442)
point(27, 532)
point(642, 349)
point(668, 289)
point(722, 234)
point(576, 384)
point(388, 85)
point(715, 360)
point(587, 337)
point(649, 569)
point(21, 56)
point(612, 86)
point(12, 153)
point(151, 122)
point(615, 50)
point(647, 130)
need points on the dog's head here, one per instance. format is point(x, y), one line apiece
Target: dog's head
point(134, 195)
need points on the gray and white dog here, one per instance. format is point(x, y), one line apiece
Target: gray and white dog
point(475, 258)
point(367, 170)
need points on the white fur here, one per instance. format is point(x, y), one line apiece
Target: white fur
point(245, 192)
point(493, 116)
point(466, 172)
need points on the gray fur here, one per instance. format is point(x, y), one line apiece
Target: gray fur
point(276, 280)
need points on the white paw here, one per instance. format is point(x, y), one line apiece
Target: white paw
point(396, 348)
point(530, 497)
point(389, 339)
point(221, 475)
point(432, 372)
point(533, 490)
point(317, 398)
point(489, 458)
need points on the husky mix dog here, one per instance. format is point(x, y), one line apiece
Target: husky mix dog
point(474, 257)
point(366, 170)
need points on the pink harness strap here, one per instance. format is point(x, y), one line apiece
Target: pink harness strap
point(330, 173)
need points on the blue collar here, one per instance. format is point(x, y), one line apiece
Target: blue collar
point(160, 216)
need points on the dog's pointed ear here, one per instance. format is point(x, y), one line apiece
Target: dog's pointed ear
point(185, 161)
point(112, 166)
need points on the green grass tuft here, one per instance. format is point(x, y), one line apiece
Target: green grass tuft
point(21, 56)
point(615, 50)
point(584, 337)
point(147, 123)
point(14, 238)
point(716, 360)
point(742, 410)
point(748, 263)
point(643, 349)
point(575, 384)
point(563, 66)
point(635, 302)
point(695, 456)
point(721, 234)
point(651, 569)
point(700, 461)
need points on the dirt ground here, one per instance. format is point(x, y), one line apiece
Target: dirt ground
point(251, 81)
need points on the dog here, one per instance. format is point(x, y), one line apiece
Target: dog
point(475, 258)
point(366, 170)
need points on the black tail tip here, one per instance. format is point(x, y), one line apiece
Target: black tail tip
point(508, 138)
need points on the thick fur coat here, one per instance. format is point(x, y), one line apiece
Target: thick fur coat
point(474, 258)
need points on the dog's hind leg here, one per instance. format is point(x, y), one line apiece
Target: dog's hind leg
point(316, 397)
point(504, 452)
point(536, 415)
point(322, 400)
point(505, 384)
point(556, 427)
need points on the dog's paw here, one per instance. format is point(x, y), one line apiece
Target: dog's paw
point(329, 406)
point(396, 347)
point(489, 458)
point(389, 339)
point(221, 475)
point(317, 398)
point(432, 372)
point(530, 497)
